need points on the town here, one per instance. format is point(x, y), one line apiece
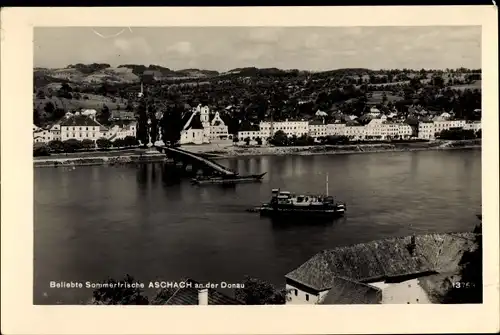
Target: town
point(250, 107)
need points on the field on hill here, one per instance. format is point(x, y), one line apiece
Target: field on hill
point(114, 75)
point(377, 97)
point(94, 102)
point(476, 85)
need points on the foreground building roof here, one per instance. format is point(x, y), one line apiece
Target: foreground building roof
point(345, 292)
point(189, 296)
point(384, 259)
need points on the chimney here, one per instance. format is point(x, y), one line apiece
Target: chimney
point(203, 296)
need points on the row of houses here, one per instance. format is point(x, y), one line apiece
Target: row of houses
point(428, 130)
point(381, 128)
point(81, 126)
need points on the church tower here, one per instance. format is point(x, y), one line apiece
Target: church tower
point(204, 114)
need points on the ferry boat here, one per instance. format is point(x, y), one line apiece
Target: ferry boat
point(228, 179)
point(284, 203)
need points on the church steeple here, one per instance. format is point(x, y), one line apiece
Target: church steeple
point(141, 93)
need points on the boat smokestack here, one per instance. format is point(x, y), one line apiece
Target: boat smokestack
point(327, 184)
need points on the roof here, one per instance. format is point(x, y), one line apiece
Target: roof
point(382, 259)
point(189, 296)
point(345, 292)
point(79, 120)
point(195, 122)
point(248, 126)
point(122, 114)
point(315, 122)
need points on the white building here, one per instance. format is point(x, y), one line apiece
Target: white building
point(117, 132)
point(370, 273)
point(211, 128)
point(336, 129)
point(428, 130)
point(318, 128)
point(193, 133)
point(80, 127)
point(356, 133)
point(252, 135)
point(89, 112)
point(42, 136)
point(290, 128)
point(384, 130)
point(448, 124)
point(218, 129)
point(56, 131)
point(473, 125)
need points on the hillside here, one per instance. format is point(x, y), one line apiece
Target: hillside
point(95, 74)
point(197, 73)
point(42, 77)
point(93, 102)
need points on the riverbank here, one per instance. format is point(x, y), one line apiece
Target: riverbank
point(88, 160)
point(230, 151)
point(221, 152)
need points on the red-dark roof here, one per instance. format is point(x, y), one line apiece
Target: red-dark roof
point(189, 296)
point(381, 259)
point(79, 121)
point(345, 292)
point(315, 122)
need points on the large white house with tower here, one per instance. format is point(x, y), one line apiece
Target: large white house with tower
point(211, 127)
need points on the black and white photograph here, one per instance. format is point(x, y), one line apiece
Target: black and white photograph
point(256, 165)
point(253, 165)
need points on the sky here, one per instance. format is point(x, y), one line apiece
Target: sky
point(225, 48)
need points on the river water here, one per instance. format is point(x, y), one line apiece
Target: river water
point(96, 222)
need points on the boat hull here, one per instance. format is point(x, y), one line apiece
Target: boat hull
point(305, 213)
point(229, 180)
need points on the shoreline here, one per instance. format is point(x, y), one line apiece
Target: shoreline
point(248, 152)
point(347, 152)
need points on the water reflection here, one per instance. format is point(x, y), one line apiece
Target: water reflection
point(96, 222)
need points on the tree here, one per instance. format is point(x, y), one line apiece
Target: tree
point(49, 108)
point(40, 94)
point(40, 149)
point(103, 143)
point(153, 129)
point(258, 140)
point(142, 123)
point(119, 142)
point(456, 134)
point(88, 144)
point(103, 117)
point(304, 140)
point(113, 294)
point(72, 145)
point(279, 139)
point(171, 125)
point(247, 140)
point(130, 141)
point(56, 146)
point(438, 81)
point(259, 292)
point(469, 289)
point(36, 118)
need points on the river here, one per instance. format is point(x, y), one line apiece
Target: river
point(96, 222)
